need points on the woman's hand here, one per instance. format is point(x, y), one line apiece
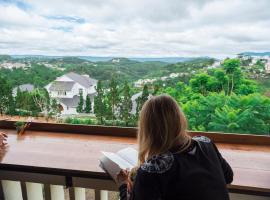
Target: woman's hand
point(123, 178)
point(3, 139)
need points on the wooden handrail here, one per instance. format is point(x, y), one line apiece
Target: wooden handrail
point(231, 138)
point(51, 142)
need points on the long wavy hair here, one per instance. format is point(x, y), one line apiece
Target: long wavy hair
point(162, 126)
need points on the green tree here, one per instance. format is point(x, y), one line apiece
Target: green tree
point(221, 78)
point(113, 98)
point(142, 99)
point(80, 103)
point(228, 119)
point(42, 100)
point(156, 89)
point(200, 82)
point(55, 107)
point(99, 106)
point(126, 105)
point(232, 69)
point(87, 104)
point(19, 99)
point(5, 96)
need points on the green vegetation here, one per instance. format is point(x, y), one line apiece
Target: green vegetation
point(7, 104)
point(38, 75)
point(80, 104)
point(223, 100)
point(126, 105)
point(232, 98)
point(88, 105)
point(99, 102)
point(142, 99)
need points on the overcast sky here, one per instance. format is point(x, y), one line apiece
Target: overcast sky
point(134, 28)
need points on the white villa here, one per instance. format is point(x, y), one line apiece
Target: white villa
point(66, 89)
point(267, 67)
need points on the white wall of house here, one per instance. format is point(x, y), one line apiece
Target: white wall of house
point(68, 110)
point(74, 91)
point(61, 94)
point(70, 94)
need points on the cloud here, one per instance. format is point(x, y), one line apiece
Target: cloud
point(134, 28)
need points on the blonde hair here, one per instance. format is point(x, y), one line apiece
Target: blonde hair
point(162, 126)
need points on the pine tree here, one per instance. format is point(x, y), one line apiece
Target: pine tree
point(80, 104)
point(99, 106)
point(19, 98)
point(142, 99)
point(156, 89)
point(145, 95)
point(5, 95)
point(113, 98)
point(87, 104)
point(11, 105)
point(126, 104)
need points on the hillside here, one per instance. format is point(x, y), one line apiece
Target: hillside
point(40, 70)
point(255, 54)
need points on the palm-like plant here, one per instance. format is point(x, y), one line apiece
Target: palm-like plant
point(229, 119)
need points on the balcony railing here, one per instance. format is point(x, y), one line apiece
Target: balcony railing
point(59, 161)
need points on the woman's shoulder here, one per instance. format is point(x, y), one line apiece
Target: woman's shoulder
point(201, 138)
point(158, 164)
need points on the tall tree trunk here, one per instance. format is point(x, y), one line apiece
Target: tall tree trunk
point(232, 85)
point(228, 89)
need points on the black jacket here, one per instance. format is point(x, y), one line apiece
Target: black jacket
point(198, 173)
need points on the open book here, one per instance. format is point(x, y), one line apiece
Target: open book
point(124, 159)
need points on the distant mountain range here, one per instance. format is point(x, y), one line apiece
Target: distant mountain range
point(255, 54)
point(104, 59)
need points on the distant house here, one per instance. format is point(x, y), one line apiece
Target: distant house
point(267, 67)
point(66, 90)
point(23, 88)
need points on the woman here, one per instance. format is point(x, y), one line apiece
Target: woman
point(172, 165)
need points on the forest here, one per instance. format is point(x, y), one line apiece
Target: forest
point(223, 99)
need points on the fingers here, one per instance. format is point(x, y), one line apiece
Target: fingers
point(123, 172)
point(3, 134)
point(3, 139)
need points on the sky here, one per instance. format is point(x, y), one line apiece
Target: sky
point(134, 28)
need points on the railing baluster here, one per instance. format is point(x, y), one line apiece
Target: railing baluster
point(47, 190)
point(57, 192)
point(104, 194)
point(34, 191)
point(101, 195)
point(12, 190)
point(79, 193)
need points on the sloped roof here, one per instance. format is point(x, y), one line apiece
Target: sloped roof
point(70, 102)
point(82, 80)
point(25, 87)
point(61, 86)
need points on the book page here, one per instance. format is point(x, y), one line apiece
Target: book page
point(122, 164)
point(130, 155)
point(109, 166)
